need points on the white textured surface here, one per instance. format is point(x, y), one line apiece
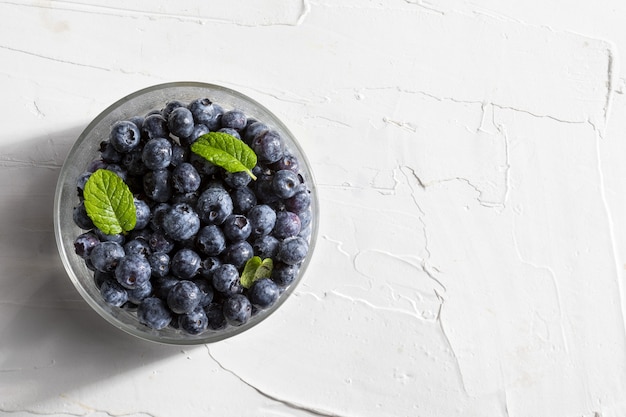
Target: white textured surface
point(470, 161)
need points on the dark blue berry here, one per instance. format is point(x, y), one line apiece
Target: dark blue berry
point(157, 153)
point(211, 240)
point(180, 154)
point(138, 294)
point(84, 243)
point(237, 309)
point(157, 185)
point(118, 170)
point(160, 243)
point(299, 202)
point(253, 130)
point(185, 178)
point(194, 322)
point(287, 224)
point(180, 122)
point(159, 264)
point(184, 297)
point(81, 218)
point(117, 238)
point(214, 205)
point(206, 112)
point(154, 126)
point(158, 213)
point(137, 121)
point(124, 136)
point(215, 316)
point(238, 253)
point(143, 214)
point(231, 132)
point(268, 146)
point(226, 279)
point(185, 263)
point(132, 271)
point(285, 183)
point(206, 291)
point(109, 154)
point(234, 119)
point(198, 130)
point(237, 179)
point(181, 222)
point(292, 250)
point(113, 293)
point(153, 313)
point(263, 293)
point(288, 162)
point(133, 162)
point(262, 219)
point(243, 200)
point(208, 266)
point(236, 227)
point(137, 247)
point(266, 246)
point(202, 165)
point(284, 274)
point(169, 106)
point(106, 256)
point(162, 285)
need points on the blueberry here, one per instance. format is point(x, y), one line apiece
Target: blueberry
point(243, 200)
point(211, 240)
point(268, 146)
point(99, 278)
point(137, 247)
point(185, 178)
point(287, 224)
point(191, 199)
point(109, 154)
point(157, 185)
point(264, 189)
point(180, 122)
point(226, 279)
point(81, 181)
point(138, 294)
point(237, 179)
point(157, 153)
point(185, 263)
point(237, 309)
point(266, 246)
point(180, 154)
point(284, 274)
point(137, 121)
point(162, 285)
point(194, 322)
point(285, 183)
point(158, 213)
point(206, 291)
point(133, 162)
point(169, 106)
point(160, 243)
point(96, 164)
point(299, 202)
point(198, 130)
point(288, 162)
point(132, 271)
point(236, 227)
point(208, 266)
point(292, 250)
point(113, 293)
point(153, 313)
point(143, 213)
point(253, 130)
point(305, 218)
point(184, 297)
point(124, 136)
point(84, 243)
point(214, 205)
point(81, 218)
point(181, 222)
point(215, 316)
point(262, 219)
point(106, 256)
point(117, 238)
point(154, 126)
point(202, 165)
point(231, 132)
point(234, 119)
point(263, 293)
point(159, 264)
point(238, 253)
point(118, 170)
point(206, 112)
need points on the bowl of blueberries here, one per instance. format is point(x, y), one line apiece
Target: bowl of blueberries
point(186, 213)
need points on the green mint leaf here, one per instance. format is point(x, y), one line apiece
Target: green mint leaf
point(226, 151)
point(256, 269)
point(247, 276)
point(109, 202)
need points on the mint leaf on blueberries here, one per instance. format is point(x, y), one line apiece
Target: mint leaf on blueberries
point(256, 269)
point(109, 202)
point(226, 151)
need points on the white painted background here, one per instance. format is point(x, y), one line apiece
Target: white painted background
point(470, 160)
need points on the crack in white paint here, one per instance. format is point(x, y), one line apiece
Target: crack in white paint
point(314, 411)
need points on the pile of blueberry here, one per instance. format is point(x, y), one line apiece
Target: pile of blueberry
point(197, 224)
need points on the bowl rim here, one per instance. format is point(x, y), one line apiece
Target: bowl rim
point(148, 334)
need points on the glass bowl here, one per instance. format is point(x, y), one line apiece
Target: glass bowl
point(86, 149)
